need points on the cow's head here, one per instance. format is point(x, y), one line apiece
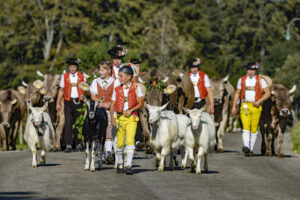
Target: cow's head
point(50, 85)
point(33, 92)
point(218, 89)
point(155, 112)
point(282, 98)
point(156, 97)
point(7, 107)
point(37, 114)
point(195, 116)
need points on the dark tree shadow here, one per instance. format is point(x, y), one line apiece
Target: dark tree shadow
point(23, 195)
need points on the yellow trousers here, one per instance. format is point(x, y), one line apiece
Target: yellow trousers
point(127, 127)
point(250, 117)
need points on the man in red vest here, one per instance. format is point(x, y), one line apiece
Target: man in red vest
point(72, 101)
point(252, 91)
point(201, 84)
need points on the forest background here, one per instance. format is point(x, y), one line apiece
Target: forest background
point(224, 34)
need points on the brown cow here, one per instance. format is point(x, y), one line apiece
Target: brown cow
point(12, 112)
point(51, 87)
point(33, 93)
point(3, 144)
point(274, 116)
point(186, 93)
point(221, 104)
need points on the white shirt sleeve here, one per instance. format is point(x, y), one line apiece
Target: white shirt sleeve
point(139, 91)
point(113, 97)
point(239, 85)
point(93, 87)
point(62, 81)
point(206, 81)
point(263, 83)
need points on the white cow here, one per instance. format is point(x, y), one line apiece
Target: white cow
point(164, 134)
point(201, 138)
point(39, 132)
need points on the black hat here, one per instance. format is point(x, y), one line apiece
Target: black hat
point(73, 61)
point(252, 65)
point(117, 52)
point(127, 70)
point(135, 61)
point(193, 62)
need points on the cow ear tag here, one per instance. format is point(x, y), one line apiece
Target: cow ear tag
point(21, 89)
point(42, 91)
point(38, 84)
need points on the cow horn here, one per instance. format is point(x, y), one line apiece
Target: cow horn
point(181, 74)
point(186, 109)
point(141, 80)
point(293, 89)
point(45, 106)
point(226, 78)
point(65, 71)
point(166, 79)
point(40, 73)
point(24, 83)
point(13, 101)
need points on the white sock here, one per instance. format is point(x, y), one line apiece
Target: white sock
point(253, 140)
point(246, 138)
point(120, 156)
point(130, 153)
point(108, 146)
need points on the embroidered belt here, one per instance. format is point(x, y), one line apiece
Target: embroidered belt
point(74, 84)
point(250, 88)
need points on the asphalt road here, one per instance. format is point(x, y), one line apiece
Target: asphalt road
point(231, 176)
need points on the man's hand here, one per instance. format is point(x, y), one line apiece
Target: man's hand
point(233, 111)
point(113, 122)
point(127, 113)
point(58, 107)
point(212, 109)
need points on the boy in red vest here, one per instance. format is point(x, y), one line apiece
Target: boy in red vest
point(72, 101)
point(252, 91)
point(117, 54)
point(101, 90)
point(126, 100)
point(201, 84)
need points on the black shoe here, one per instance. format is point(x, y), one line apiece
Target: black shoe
point(120, 170)
point(246, 151)
point(68, 149)
point(78, 147)
point(109, 158)
point(139, 146)
point(129, 170)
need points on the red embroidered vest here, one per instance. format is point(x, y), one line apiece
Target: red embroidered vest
point(106, 93)
point(120, 98)
point(68, 86)
point(201, 84)
point(258, 89)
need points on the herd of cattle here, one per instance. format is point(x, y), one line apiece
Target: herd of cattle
point(43, 94)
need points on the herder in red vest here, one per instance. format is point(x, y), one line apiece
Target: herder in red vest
point(252, 91)
point(101, 90)
point(117, 54)
point(126, 100)
point(201, 85)
point(72, 101)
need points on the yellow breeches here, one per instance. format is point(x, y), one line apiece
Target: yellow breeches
point(127, 127)
point(250, 117)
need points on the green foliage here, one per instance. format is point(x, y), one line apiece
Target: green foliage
point(295, 137)
point(80, 120)
point(289, 73)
